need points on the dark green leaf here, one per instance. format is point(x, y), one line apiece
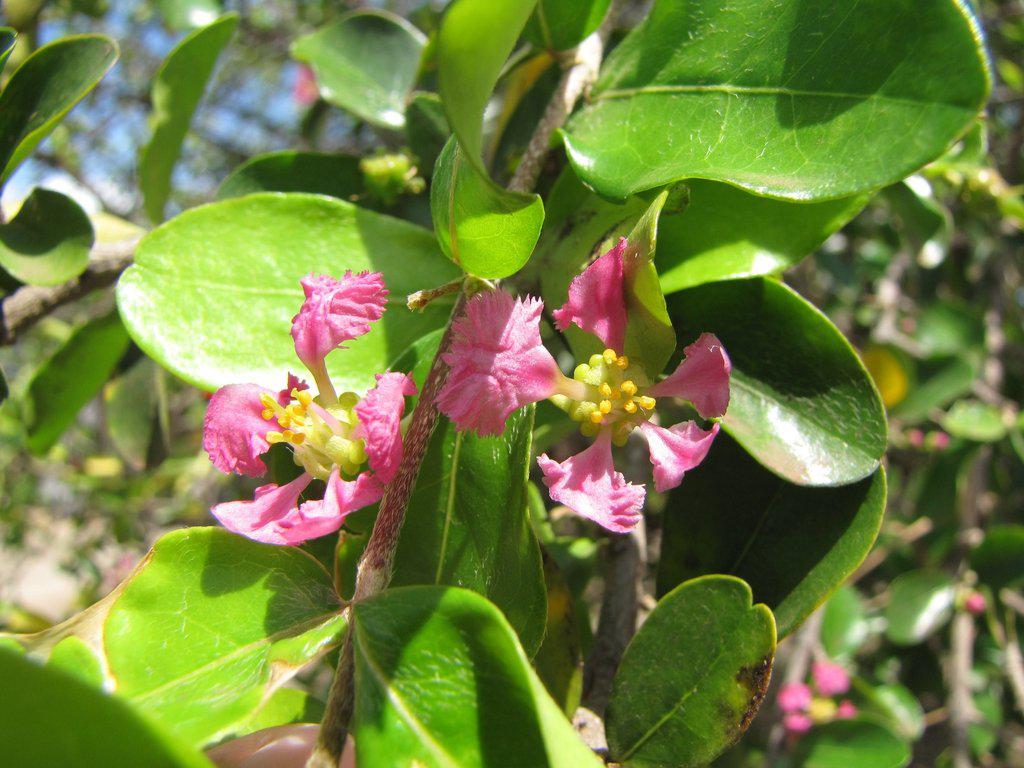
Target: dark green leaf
point(48, 241)
point(177, 90)
point(45, 88)
point(365, 62)
point(71, 378)
point(51, 718)
point(467, 525)
point(920, 602)
point(848, 743)
point(693, 676)
point(559, 662)
point(212, 624)
point(490, 232)
point(188, 14)
point(794, 545)
point(898, 705)
point(949, 328)
point(318, 173)
point(212, 293)
point(801, 401)
point(999, 559)
point(7, 39)
point(976, 421)
point(130, 408)
point(442, 682)
point(560, 24)
point(426, 129)
point(844, 625)
point(952, 379)
point(778, 97)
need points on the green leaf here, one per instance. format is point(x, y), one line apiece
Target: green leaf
point(188, 14)
point(778, 97)
point(898, 705)
point(52, 718)
point(212, 623)
point(426, 128)
point(801, 401)
point(365, 62)
point(952, 379)
point(48, 241)
point(847, 743)
point(844, 625)
point(725, 233)
point(997, 560)
point(73, 656)
point(693, 676)
point(949, 328)
point(467, 525)
point(442, 682)
point(130, 408)
point(285, 706)
point(558, 661)
point(71, 378)
point(176, 92)
point(45, 88)
point(8, 37)
point(920, 602)
point(794, 545)
point(318, 173)
point(490, 232)
point(976, 421)
point(561, 24)
point(212, 292)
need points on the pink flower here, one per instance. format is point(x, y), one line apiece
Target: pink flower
point(797, 723)
point(498, 364)
point(794, 697)
point(353, 444)
point(830, 679)
point(975, 603)
point(846, 710)
point(304, 90)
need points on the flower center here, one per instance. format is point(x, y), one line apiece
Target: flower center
point(615, 396)
point(321, 438)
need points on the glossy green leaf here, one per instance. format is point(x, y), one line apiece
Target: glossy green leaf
point(71, 378)
point(999, 559)
point(920, 602)
point(285, 706)
point(844, 625)
point(365, 62)
point(693, 676)
point(489, 231)
point(561, 24)
point(49, 718)
point(898, 705)
point(801, 401)
point(8, 37)
point(74, 656)
point(976, 421)
point(949, 328)
point(212, 624)
point(203, 284)
point(467, 524)
point(558, 661)
point(318, 173)
point(794, 545)
point(177, 89)
point(426, 129)
point(189, 14)
point(475, 39)
point(847, 743)
point(130, 409)
point(48, 241)
point(778, 96)
point(45, 88)
point(725, 233)
point(441, 681)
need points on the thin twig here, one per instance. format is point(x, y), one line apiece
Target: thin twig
point(30, 303)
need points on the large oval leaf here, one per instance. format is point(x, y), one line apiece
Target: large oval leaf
point(693, 677)
point(212, 292)
point(998, 559)
point(793, 545)
point(560, 24)
point(778, 96)
point(45, 88)
point(920, 602)
point(318, 173)
point(442, 682)
point(801, 401)
point(848, 743)
point(177, 89)
point(48, 241)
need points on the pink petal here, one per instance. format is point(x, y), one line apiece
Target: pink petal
point(294, 382)
point(317, 518)
point(336, 311)
point(380, 415)
point(234, 430)
point(596, 302)
point(846, 710)
point(794, 697)
point(588, 484)
point(269, 516)
point(702, 377)
point(676, 450)
point(830, 679)
point(498, 363)
point(797, 723)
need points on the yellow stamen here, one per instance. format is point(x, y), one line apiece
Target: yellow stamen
point(596, 360)
point(647, 403)
point(606, 390)
point(628, 387)
point(581, 370)
point(605, 406)
point(275, 437)
point(268, 414)
point(629, 407)
point(288, 435)
point(596, 417)
point(285, 421)
point(622, 362)
point(298, 438)
point(609, 356)
point(303, 396)
point(588, 429)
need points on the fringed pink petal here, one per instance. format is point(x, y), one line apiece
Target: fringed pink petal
point(336, 311)
point(234, 430)
point(676, 450)
point(702, 377)
point(794, 697)
point(498, 363)
point(270, 517)
point(588, 484)
point(380, 415)
point(294, 382)
point(320, 517)
point(596, 299)
point(830, 679)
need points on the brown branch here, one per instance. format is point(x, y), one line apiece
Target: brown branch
point(30, 303)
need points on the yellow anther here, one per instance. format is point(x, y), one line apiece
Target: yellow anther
point(268, 414)
point(596, 360)
point(588, 429)
point(606, 389)
point(622, 362)
point(296, 413)
point(605, 406)
point(267, 401)
point(298, 438)
point(629, 407)
point(596, 417)
point(609, 356)
point(303, 396)
point(647, 403)
point(285, 421)
point(275, 437)
point(628, 387)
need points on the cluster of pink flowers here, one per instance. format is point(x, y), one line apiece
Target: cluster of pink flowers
point(499, 364)
point(802, 709)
